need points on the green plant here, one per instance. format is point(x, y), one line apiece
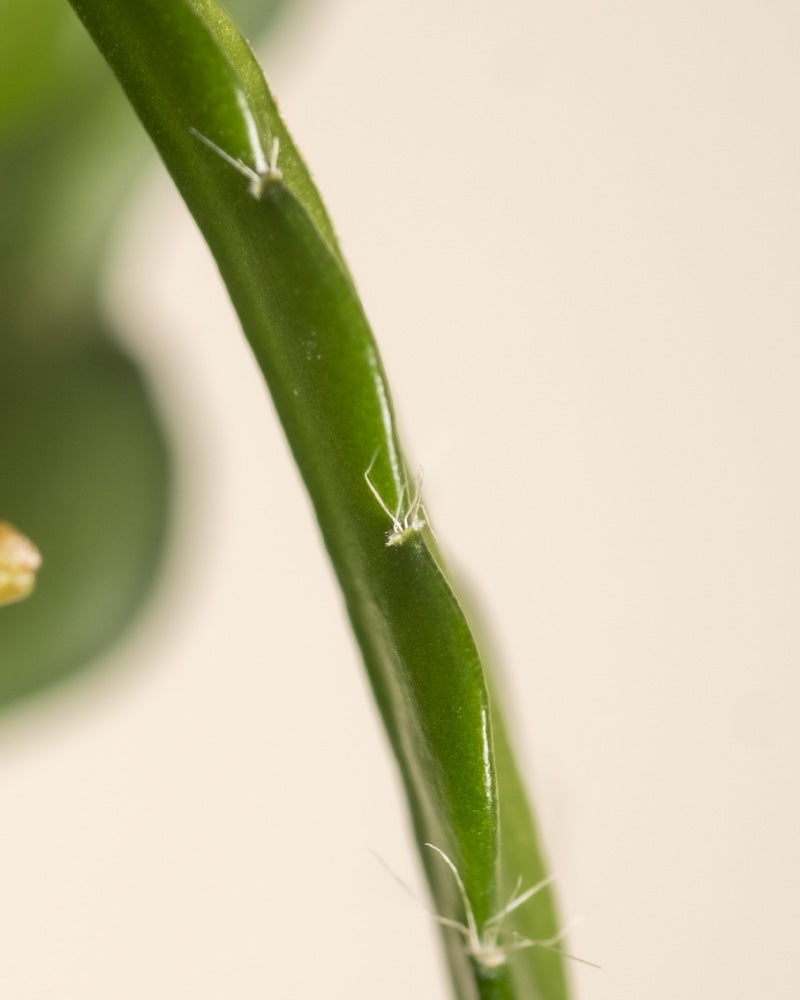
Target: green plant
point(200, 94)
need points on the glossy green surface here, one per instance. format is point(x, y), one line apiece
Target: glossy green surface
point(186, 71)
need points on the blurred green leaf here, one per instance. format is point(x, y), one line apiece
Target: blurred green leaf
point(84, 465)
point(84, 472)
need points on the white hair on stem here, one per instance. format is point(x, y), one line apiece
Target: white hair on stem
point(483, 944)
point(404, 523)
point(266, 170)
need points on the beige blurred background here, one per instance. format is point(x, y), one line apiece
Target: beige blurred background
point(576, 229)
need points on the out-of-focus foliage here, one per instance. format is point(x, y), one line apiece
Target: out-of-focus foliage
point(84, 465)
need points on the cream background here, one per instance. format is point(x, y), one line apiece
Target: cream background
point(575, 228)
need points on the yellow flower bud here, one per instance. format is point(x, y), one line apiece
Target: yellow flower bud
point(19, 560)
